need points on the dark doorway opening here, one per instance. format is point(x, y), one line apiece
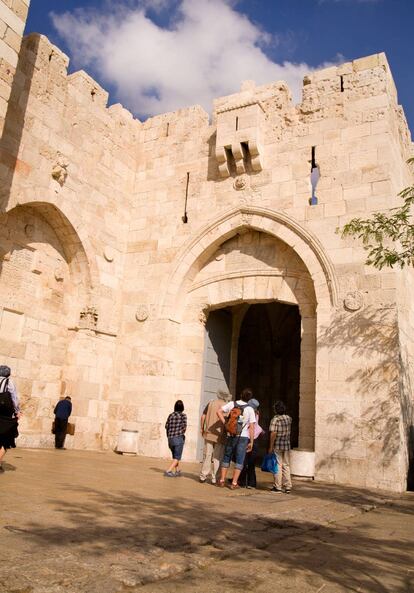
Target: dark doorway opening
point(267, 355)
point(269, 361)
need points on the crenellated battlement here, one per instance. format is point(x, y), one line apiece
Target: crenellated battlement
point(47, 66)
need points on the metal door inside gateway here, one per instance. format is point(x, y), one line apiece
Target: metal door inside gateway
point(216, 364)
point(268, 360)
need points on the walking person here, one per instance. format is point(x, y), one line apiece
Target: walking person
point(247, 477)
point(175, 427)
point(9, 413)
point(212, 431)
point(62, 411)
point(279, 428)
point(240, 434)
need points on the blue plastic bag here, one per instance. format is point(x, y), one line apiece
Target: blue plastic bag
point(269, 463)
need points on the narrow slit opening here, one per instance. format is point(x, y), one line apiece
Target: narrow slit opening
point(313, 157)
point(246, 155)
point(230, 160)
point(314, 177)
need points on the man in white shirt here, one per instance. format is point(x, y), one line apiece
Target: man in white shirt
point(238, 444)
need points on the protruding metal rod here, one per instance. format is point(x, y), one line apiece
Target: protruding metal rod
point(185, 217)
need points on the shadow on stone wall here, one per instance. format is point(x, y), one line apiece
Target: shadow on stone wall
point(122, 536)
point(372, 334)
point(408, 415)
point(15, 118)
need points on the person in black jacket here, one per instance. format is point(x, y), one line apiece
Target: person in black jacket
point(9, 413)
point(62, 411)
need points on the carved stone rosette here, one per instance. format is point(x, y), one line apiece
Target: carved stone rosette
point(141, 313)
point(354, 301)
point(241, 182)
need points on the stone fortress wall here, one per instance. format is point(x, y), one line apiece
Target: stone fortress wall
point(119, 237)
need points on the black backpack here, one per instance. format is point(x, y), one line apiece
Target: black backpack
point(6, 402)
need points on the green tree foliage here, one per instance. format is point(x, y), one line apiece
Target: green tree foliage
point(388, 238)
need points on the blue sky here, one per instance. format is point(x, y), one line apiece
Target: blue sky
point(159, 55)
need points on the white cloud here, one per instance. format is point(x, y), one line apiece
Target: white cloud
point(207, 49)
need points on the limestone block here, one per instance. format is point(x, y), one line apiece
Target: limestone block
point(12, 39)
point(88, 89)
point(21, 8)
point(8, 53)
point(370, 62)
point(335, 208)
point(382, 187)
point(353, 132)
point(358, 192)
point(12, 19)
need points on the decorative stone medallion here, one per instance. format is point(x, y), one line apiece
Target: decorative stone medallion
point(241, 182)
point(141, 313)
point(353, 301)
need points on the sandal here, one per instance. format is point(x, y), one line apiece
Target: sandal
point(234, 486)
point(221, 483)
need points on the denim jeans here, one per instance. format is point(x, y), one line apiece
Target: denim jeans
point(176, 445)
point(235, 446)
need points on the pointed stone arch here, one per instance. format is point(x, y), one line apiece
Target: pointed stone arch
point(67, 224)
point(194, 253)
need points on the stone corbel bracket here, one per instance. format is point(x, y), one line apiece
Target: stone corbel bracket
point(255, 154)
point(223, 165)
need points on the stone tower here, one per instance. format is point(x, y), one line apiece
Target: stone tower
point(142, 262)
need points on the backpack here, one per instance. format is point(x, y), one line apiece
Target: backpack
point(234, 423)
point(6, 402)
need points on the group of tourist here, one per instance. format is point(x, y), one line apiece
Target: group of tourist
point(230, 430)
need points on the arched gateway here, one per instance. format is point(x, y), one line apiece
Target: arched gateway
point(248, 293)
point(145, 261)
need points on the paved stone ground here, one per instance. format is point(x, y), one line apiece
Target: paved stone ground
point(86, 522)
